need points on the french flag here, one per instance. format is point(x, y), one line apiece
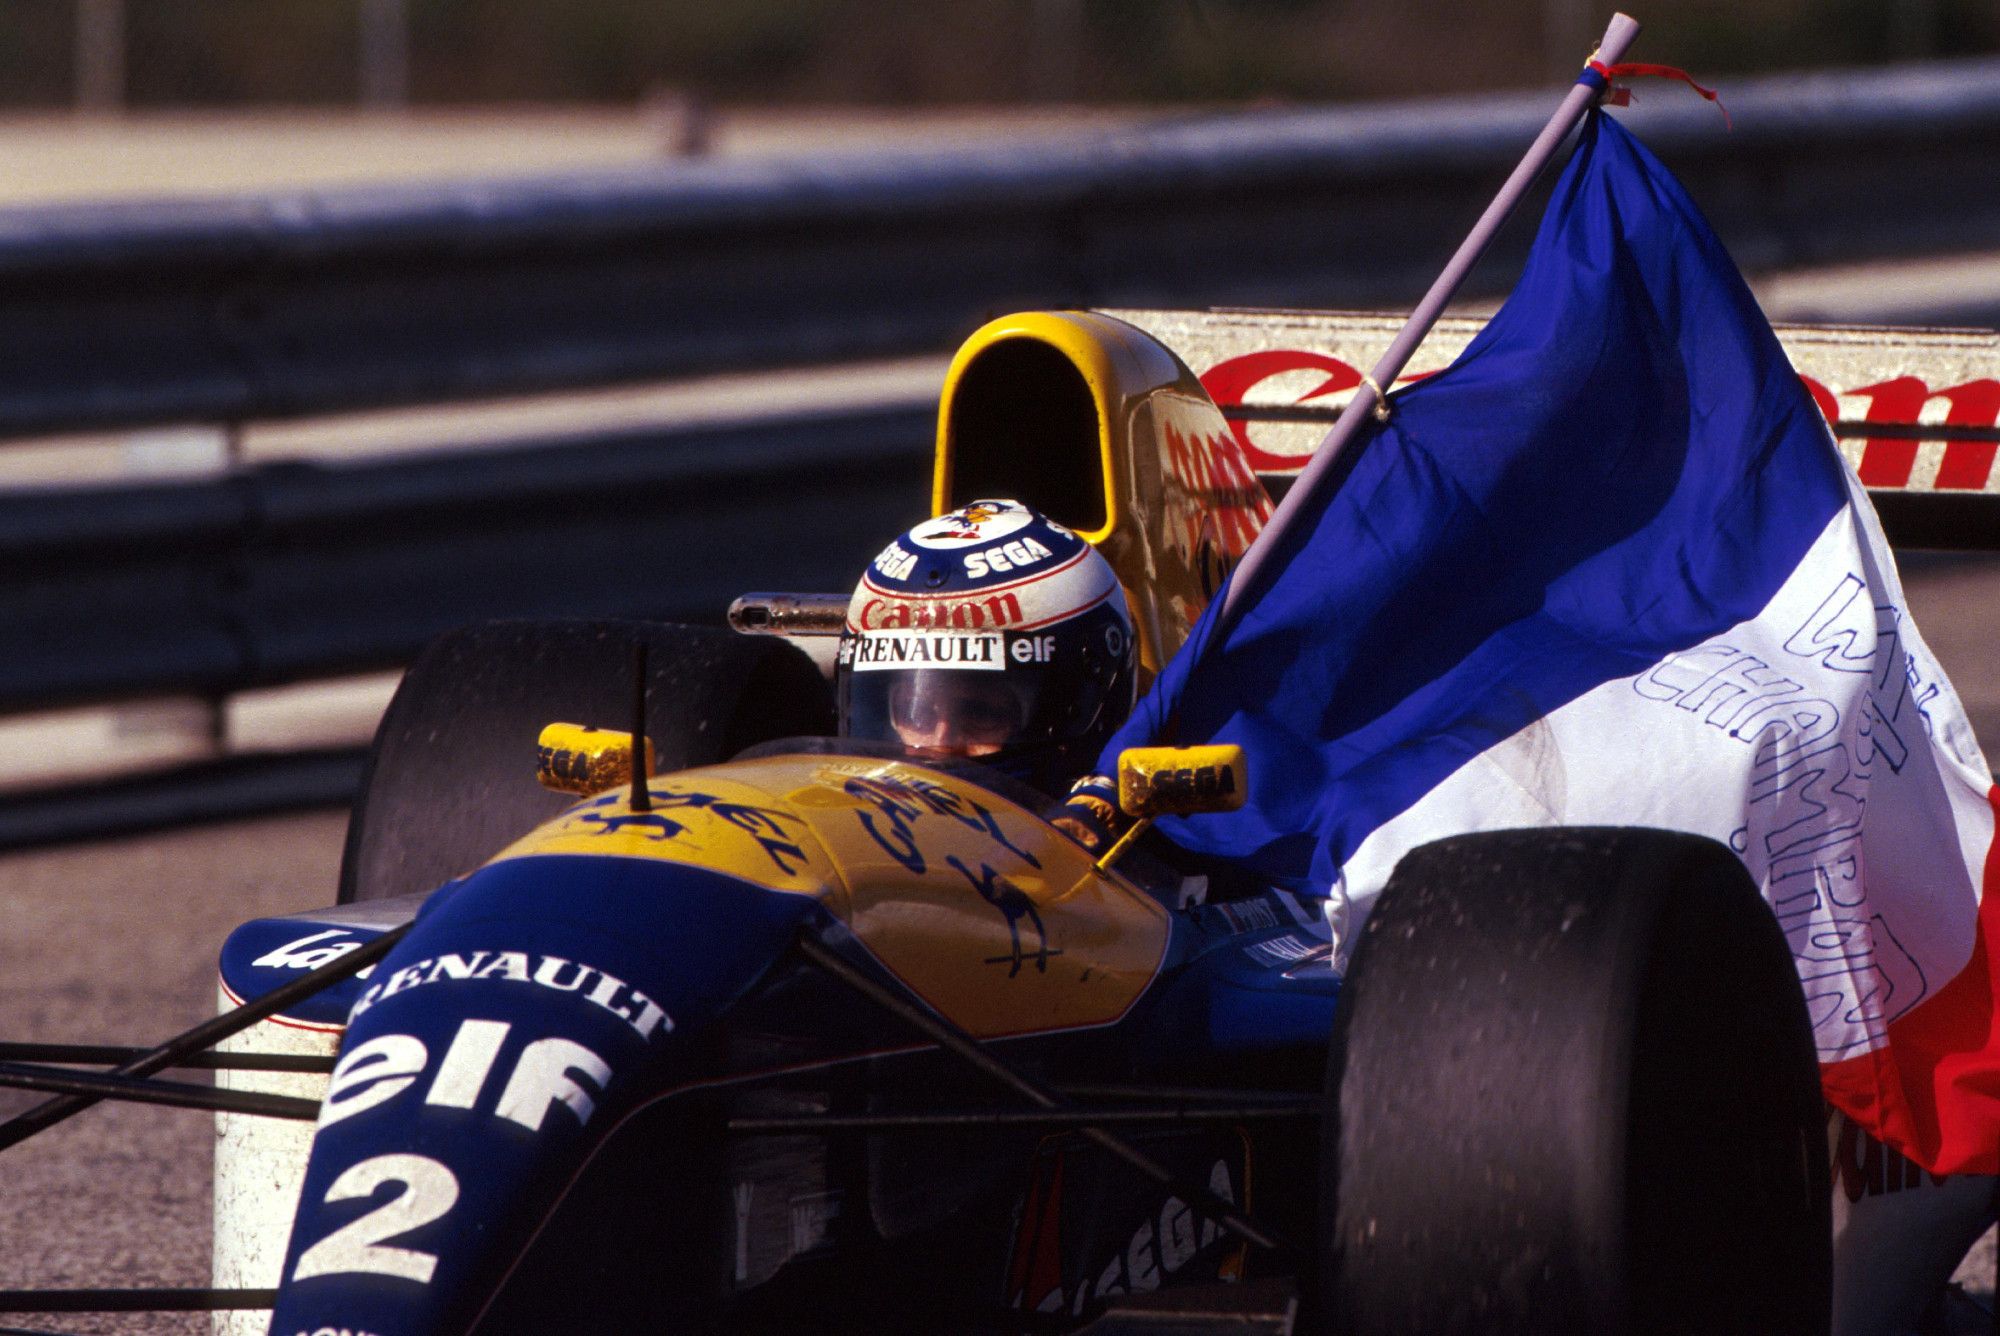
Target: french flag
point(1608, 568)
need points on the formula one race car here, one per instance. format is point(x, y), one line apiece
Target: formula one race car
point(765, 1030)
point(739, 1026)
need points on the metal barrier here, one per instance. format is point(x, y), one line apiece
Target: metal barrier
point(296, 570)
point(304, 303)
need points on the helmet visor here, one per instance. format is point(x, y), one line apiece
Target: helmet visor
point(942, 711)
point(983, 693)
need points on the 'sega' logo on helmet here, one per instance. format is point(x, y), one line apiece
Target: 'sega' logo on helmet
point(986, 566)
point(991, 632)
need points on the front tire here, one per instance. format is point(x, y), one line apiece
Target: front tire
point(1572, 1088)
point(450, 779)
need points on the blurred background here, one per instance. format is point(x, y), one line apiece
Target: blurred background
point(162, 86)
point(173, 55)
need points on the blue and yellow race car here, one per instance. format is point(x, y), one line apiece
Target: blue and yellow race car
point(732, 1024)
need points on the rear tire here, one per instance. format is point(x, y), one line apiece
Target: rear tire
point(450, 779)
point(1572, 1087)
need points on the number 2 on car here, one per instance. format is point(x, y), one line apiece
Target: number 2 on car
point(546, 1074)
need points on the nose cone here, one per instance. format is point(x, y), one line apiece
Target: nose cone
point(531, 1005)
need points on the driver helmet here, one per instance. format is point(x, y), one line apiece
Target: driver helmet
point(990, 632)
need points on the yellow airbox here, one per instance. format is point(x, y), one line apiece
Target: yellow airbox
point(1099, 426)
point(1180, 781)
point(578, 759)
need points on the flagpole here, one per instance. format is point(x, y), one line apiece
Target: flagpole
point(1312, 479)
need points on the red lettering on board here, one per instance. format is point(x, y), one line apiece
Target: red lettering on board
point(1966, 464)
point(1885, 462)
point(1229, 380)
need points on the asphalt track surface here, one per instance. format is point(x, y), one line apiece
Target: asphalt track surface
point(116, 943)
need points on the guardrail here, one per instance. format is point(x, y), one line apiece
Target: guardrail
point(236, 311)
point(292, 570)
point(307, 303)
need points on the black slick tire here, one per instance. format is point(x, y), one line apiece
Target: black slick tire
point(450, 779)
point(1572, 1089)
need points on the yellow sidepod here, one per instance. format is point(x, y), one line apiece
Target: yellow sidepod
point(981, 908)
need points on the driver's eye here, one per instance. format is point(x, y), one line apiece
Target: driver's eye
point(915, 712)
point(986, 715)
point(923, 712)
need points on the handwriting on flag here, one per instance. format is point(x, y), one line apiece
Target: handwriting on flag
point(1808, 791)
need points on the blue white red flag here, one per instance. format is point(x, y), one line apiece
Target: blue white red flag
point(1609, 569)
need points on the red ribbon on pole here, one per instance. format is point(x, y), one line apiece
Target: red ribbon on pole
point(1643, 71)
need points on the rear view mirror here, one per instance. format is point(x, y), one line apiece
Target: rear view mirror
point(1180, 781)
point(575, 758)
point(1176, 781)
